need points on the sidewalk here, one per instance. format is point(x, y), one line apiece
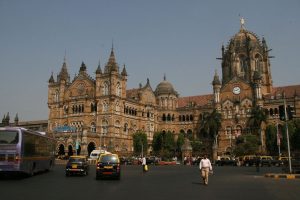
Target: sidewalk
point(286, 176)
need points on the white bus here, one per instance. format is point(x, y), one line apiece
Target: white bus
point(25, 151)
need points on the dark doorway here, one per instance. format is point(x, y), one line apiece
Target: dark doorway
point(61, 150)
point(70, 150)
point(91, 147)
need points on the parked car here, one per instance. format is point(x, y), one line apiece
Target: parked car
point(248, 160)
point(126, 161)
point(295, 164)
point(108, 165)
point(265, 161)
point(281, 161)
point(152, 160)
point(226, 160)
point(77, 165)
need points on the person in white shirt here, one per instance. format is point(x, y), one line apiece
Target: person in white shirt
point(205, 167)
point(144, 162)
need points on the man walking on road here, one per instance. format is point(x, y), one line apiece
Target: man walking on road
point(205, 167)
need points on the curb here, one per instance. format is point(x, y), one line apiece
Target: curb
point(286, 176)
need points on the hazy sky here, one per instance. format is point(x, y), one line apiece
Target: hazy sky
point(181, 38)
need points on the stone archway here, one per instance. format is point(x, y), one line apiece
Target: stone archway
point(61, 150)
point(91, 147)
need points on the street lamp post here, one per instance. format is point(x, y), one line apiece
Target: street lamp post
point(287, 135)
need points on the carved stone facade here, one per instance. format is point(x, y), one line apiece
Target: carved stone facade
point(88, 113)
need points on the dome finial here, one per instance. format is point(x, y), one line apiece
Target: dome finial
point(242, 21)
point(165, 77)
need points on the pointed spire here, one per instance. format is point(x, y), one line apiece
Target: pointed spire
point(99, 71)
point(216, 80)
point(165, 77)
point(51, 79)
point(64, 75)
point(124, 72)
point(111, 64)
point(16, 119)
point(82, 68)
point(7, 117)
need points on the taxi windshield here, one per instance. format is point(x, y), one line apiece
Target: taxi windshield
point(109, 158)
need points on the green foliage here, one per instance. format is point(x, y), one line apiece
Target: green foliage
point(247, 144)
point(271, 139)
point(157, 143)
point(140, 142)
point(164, 145)
point(180, 141)
point(197, 146)
point(211, 124)
point(257, 117)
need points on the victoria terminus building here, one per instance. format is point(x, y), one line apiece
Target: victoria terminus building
point(90, 112)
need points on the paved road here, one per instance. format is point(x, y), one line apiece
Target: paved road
point(160, 183)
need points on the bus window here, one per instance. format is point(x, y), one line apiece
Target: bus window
point(9, 137)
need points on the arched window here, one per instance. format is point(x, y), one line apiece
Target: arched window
point(180, 118)
point(117, 127)
point(187, 118)
point(169, 117)
point(258, 63)
point(228, 130)
point(117, 106)
point(105, 106)
point(191, 118)
point(125, 128)
point(104, 127)
point(238, 131)
point(106, 88)
point(93, 127)
point(56, 96)
point(190, 133)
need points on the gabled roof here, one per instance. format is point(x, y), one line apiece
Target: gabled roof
point(290, 91)
point(200, 100)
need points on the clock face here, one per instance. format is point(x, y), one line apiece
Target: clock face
point(236, 90)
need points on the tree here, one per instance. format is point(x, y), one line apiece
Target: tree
point(197, 146)
point(258, 116)
point(140, 142)
point(163, 144)
point(180, 141)
point(157, 143)
point(271, 139)
point(295, 138)
point(246, 144)
point(211, 124)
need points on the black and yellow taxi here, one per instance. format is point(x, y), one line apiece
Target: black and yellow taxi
point(77, 165)
point(108, 166)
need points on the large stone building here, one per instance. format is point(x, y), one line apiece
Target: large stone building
point(90, 112)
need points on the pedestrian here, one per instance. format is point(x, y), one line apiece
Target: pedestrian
point(206, 168)
point(144, 164)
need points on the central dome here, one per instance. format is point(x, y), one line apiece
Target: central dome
point(244, 38)
point(165, 87)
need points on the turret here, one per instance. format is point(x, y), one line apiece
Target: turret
point(216, 87)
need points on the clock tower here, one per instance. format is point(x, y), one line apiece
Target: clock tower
point(246, 78)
